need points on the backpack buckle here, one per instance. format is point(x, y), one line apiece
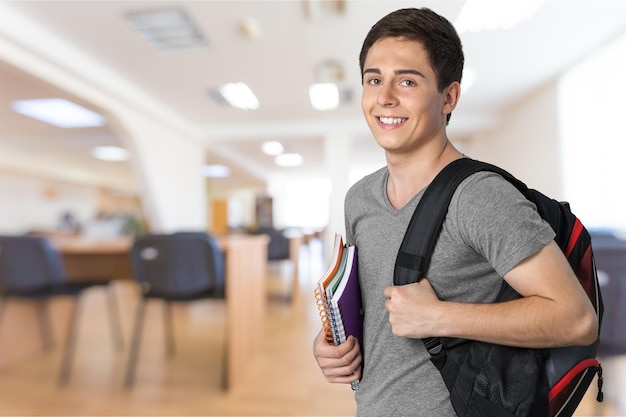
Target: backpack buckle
point(436, 350)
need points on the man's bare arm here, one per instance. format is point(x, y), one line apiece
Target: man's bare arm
point(554, 310)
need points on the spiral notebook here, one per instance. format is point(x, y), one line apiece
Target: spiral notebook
point(338, 295)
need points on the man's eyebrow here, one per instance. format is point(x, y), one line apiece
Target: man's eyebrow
point(410, 71)
point(373, 70)
point(397, 72)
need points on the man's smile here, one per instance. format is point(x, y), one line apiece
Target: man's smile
point(391, 120)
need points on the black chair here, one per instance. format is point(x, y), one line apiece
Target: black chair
point(610, 256)
point(184, 266)
point(31, 268)
point(278, 246)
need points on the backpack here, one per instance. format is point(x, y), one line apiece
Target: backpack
point(493, 380)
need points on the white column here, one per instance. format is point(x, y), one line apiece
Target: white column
point(168, 165)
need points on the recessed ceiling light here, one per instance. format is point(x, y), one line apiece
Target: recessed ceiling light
point(272, 148)
point(58, 112)
point(240, 96)
point(289, 160)
point(216, 171)
point(167, 29)
point(110, 153)
point(324, 96)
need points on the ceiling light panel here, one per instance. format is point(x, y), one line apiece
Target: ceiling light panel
point(239, 96)
point(167, 29)
point(289, 160)
point(272, 148)
point(216, 171)
point(58, 112)
point(110, 153)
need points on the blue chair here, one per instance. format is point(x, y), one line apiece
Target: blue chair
point(179, 267)
point(31, 268)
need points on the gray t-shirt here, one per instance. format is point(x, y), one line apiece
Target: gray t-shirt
point(490, 227)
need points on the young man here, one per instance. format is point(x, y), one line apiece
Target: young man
point(411, 64)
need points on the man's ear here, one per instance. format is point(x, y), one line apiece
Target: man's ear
point(451, 95)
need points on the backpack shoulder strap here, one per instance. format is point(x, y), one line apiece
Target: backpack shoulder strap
point(419, 240)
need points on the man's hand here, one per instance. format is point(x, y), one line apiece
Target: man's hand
point(340, 364)
point(412, 309)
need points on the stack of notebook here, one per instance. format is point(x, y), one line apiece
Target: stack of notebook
point(338, 295)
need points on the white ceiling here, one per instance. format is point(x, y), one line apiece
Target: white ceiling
point(92, 40)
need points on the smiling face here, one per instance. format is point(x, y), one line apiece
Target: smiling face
point(402, 105)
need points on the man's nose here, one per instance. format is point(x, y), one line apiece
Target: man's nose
point(386, 95)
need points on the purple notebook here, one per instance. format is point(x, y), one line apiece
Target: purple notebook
point(347, 300)
point(347, 306)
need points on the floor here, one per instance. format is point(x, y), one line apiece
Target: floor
point(283, 381)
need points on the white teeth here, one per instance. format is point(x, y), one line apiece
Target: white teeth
point(391, 120)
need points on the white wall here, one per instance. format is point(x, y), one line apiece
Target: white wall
point(526, 141)
point(567, 138)
point(591, 104)
point(300, 201)
point(28, 204)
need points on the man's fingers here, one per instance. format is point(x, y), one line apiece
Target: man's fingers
point(344, 373)
point(341, 363)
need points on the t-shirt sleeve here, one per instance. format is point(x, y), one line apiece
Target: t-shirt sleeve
point(497, 221)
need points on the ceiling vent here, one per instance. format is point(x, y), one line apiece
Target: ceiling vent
point(167, 29)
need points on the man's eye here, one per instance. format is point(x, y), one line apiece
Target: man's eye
point(408, 83)
point(373, 81)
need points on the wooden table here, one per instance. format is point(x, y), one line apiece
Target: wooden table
point(246, 293)
point(89, 259)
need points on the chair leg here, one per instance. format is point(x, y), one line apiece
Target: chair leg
point(44, 324)
point(169, 328)
point(114, 319)
point(2, 302)
point(225, 381)
point(70, 342)
point(134, 344)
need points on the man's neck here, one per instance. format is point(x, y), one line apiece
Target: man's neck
point(409, 174)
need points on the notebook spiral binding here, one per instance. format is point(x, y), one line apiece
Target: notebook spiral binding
point(322, 308)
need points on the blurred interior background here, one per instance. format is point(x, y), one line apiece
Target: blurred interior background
point(163, 146)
